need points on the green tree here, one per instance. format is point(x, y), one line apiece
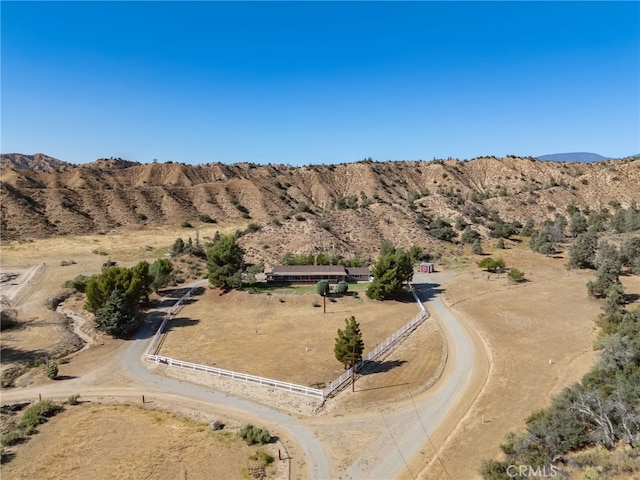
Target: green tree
point(224, 262)
point(577, 224)
point(492, 264)
point(117, 317)
point(390, 273)
point(349, 345)
point(469, 235)
point(342, 287)
point(476, 247)
point(606, 276)
point(160, 272)
point(442, 230)
point(582, 253)
point(133, 283)
point(322, 287)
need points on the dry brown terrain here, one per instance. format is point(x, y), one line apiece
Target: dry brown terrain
point(129, 211)
point(131, 442)
point(283, 337)
point(351, 208)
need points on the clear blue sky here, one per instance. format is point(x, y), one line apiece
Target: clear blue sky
point(309, 82)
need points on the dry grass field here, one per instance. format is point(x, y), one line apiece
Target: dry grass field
point(549, 316)
point(279, 336)
point(100, 442)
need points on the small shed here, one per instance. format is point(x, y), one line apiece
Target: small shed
point(427, 267)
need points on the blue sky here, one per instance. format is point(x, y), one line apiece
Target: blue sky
point(318, 82)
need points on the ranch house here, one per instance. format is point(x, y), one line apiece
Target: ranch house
point(315, 273)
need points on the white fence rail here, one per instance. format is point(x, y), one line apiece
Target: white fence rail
point(290, 387)
point(381, 348)
point(335, 385)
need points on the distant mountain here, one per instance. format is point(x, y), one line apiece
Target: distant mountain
point(584, 157)
point(37, 162)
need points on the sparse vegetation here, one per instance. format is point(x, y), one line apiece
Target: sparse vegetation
point(254, 435)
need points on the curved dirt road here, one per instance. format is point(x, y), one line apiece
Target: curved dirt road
point(403, 450)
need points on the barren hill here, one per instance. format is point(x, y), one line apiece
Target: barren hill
point(347, 207)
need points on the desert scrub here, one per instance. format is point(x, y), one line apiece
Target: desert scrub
point(33, 416)
point(254, 435)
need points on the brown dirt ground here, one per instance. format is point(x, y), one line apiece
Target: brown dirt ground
point(283, 337)
point(549, 317)
point(132, 442)
point(523, 326)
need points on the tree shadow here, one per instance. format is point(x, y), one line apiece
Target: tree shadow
point(181, 322)
point(65, 377)
point(10, 355)
point(7, 457)
point(631, 297)
point(428, 291)
point(373, 366)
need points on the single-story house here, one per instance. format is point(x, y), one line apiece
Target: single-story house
point(315, 273)
point(358, 274)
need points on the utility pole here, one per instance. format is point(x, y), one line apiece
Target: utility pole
point(353, 366)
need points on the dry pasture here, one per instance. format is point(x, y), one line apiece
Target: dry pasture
point(130, 442)
point(279, 336)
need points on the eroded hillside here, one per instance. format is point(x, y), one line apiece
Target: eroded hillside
point(347, 207)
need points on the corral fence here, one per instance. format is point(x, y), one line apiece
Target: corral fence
point(345, 379)
point(331, 389)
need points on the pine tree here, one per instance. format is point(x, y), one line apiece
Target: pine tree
point(225, 264)
point(349, 345)
point(117, 317)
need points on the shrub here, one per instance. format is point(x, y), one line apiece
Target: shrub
point(316, 303)
point(79, 283)
point(492, 265)
point(515, 275)
point(53, 301)
point(263, 458)
point(37, 414)
point(73, 399)
point(13, 437)
point(66, 263)
point(52, 370)
point(254, 435)
point(204, 218)
point(186, 224)
point(342, 287)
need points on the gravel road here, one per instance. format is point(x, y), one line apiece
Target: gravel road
point(410, 427)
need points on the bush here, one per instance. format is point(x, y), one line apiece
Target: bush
point(204, 218)
point(13, 437)
point(342, 287)
point(73, 399)
point(515, 275)
point(316, 303)
point(263, 458)
point(37, 414)
point(79, 283)
point(53, 301)
point(492, 265)
point(254, 435)
point(186, 224)
point(52, 370)
point(66, 263)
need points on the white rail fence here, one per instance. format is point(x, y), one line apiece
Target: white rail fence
point(345, 379)
point(334, 386)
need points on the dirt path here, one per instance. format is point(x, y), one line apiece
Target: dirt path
point(413, 431)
